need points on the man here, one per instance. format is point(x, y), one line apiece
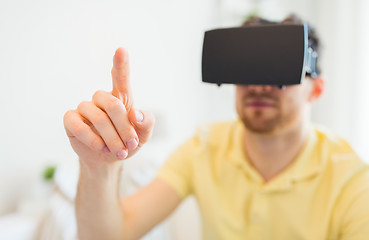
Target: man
point(268, 175)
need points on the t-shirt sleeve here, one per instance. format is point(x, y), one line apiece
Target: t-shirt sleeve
point(177, 171)
point(354, 209)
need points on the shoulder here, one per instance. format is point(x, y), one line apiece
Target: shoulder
point(345, 177)
point(331, 140)
point(351, 212)
point(219, 133)
point(335, 148)
point(340, 160)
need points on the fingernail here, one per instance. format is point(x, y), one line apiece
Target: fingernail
point(132, 144)
point(122, 154)
point(106, 149)
point(139, 116)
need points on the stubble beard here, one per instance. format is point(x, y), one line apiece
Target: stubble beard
point(259, 124)
point(261, 121)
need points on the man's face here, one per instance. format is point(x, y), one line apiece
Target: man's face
point(269, 109)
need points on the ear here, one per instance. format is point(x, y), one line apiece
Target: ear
point(317, 89)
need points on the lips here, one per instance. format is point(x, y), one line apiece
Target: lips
point(259, 103)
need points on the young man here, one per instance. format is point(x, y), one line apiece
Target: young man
point(267, 175)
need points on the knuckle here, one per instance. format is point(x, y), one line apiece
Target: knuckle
point(150, 123)
point(68, 120)
point(147, 131)
point(78, 129)
point(67, 116)
point(100, 119)
point(82, 105)
point(96, 143)
point(117, 143)
point(113, 104)
point(127, 133)
point(97, 94)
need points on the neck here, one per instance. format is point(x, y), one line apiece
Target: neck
point(271, 154)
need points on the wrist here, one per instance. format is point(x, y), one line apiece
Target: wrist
point(100, 171)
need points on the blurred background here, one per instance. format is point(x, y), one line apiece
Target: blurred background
point(55, 54)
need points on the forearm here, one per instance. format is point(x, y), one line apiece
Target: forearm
point(98, 210)
point(101, 132)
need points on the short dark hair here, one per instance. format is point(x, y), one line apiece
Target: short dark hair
point(313, 39)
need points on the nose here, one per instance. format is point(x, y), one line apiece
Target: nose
point(260, 88)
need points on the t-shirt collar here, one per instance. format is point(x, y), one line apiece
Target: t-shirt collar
point(307, 165)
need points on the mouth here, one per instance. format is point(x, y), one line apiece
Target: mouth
point(260, 103)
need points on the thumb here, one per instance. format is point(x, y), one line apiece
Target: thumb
point(143, 122)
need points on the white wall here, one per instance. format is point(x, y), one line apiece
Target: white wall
point(54, 54)
point(343, 26)
point(360, 110)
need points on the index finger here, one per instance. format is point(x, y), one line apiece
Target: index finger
point(120, 77)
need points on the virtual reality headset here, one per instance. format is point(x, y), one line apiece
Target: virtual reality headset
point(275, 54)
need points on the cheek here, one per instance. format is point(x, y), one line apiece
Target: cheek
point(293, 104)
point(239, 106)
point(239, 96)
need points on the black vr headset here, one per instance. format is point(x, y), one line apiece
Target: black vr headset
point(275, 54)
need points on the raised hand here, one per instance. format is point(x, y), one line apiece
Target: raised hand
point(109, 128)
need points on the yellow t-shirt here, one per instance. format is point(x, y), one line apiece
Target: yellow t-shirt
point(323, 194)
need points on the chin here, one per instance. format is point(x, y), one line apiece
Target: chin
point(261, 126)
point(260, 129)
point(260, 121)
